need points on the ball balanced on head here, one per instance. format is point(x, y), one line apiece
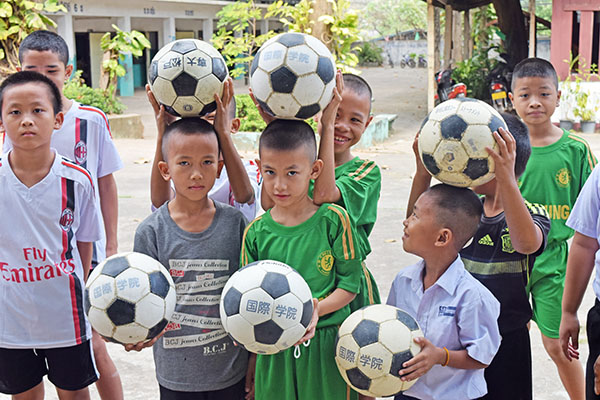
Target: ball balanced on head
point(293, 76)
point(453, 141)
point(185, 75)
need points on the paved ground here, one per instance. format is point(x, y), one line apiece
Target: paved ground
point(395, 91)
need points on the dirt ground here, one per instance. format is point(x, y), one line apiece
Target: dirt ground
point(396, 91)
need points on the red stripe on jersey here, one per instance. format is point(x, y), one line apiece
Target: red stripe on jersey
point(78, 168)
point(74, 305)
point(101, 113)
point(65, 236)
point(77, 130)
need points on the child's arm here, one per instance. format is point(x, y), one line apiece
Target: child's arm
point(421, 180)
point(160, 190)
point(336, 300)
point(236, 173)
point(431, 355)
point(86, 251)
point(325, 190)
point(109, 204)
point(250, 374)
point(580, 265)
point(525, 235)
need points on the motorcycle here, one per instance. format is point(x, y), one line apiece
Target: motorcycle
point(499, 81)
point(421, 61)
point(448, 88)
point(407, 60)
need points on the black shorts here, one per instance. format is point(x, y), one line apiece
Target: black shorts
point(509, 374)
point(234, 392)
point(68, 368)
point(593, 335)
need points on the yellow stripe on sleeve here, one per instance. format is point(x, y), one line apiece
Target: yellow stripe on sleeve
point(244, 254)
point(365, 172)
point(590, 156)
point(347, 234)
point(359, 169)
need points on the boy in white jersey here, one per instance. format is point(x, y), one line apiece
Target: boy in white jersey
point(49, 223)
point(85, 139)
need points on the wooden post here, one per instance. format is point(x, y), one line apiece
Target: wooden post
point(532, 28)
point(438, 38)
point(448, 38)
point(466, 35)
point(319, 29)
point(431, 55)
point(457, 54)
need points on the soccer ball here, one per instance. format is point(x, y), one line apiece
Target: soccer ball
point(185, 75)
point(266, 306)
point(372, 344)
point(129, 298)
point(293, 76)
point(453, 139)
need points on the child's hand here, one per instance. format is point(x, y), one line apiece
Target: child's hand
point(250, 374)
point(268, 118)
point(222, 117)
point(139, 346)
point(504, 159)
point(330, 112)
point(569, 335)
point(420, 364)
point(310, 330)
point(163, 118)
point(421, 170)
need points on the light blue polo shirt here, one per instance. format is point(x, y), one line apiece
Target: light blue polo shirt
point(457, 312)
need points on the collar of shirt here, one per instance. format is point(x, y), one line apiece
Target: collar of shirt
point(448, 281)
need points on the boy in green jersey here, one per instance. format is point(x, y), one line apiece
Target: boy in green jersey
point(559, 165)
point(320, 243)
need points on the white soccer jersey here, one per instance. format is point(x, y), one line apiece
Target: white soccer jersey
point(41, 276)
point(221, 190)
point(85, 138)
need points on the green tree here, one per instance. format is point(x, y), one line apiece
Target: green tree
point(115, 48)
point(390, 17)
point(18, 18)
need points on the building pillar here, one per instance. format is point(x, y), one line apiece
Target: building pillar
point(264, 26)
point(207, 30)
point(64, 27)
point(125, 83)
point(168, 31)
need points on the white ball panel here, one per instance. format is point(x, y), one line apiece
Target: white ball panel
point(256, 306)
point(347, 352)
point(102, 292)
point(149, 311)
point(260, 83)
point(188, 106)
point(206, 89)
point(262, 348)
point(327, 94)
point(130, 333)
point(163, 91)
point(283, 105)
point(444, 109)
point(100, 322)
point(301, 60)
point(275, 266)
point(309, 89)
point(170, 301)
point(132, 284)
point(290, 337)
point(380, 312)
point(476, 138)
point(318, 46)
point(451, 156)
point(454, 178)
point(272, 56)
point(240, 329)
point(350, 323)
point(287, 311)
point(475, 112)
point(170, 65)
point(299, 287)
point(247, 278)
point(143, 262)
point(197, 63)
point(374, 360)
point(386, 385)
point(429, 137)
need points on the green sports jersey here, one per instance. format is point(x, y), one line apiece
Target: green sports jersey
point(323, 249)
point(554, 176)
point(359, 182)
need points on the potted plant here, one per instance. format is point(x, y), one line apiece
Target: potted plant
point(576, 101)
point(585, 109)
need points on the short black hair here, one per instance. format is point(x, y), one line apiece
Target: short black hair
point(23, 77)
point(523, 146)
point(286, 135)
point(457, 209)
point(359, 86)
point(534, 67)
point(186, 126)
point(45, 41)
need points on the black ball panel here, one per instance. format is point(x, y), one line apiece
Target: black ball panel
point(153, 72)
point(430, 164)
point(308, 111)
point(159, 285)
point(265, 107)
point(358, 379)
point(453, 127)
point(184, 84)
point(86, 301)
point(476, 168)
point(115, 266)
point(283, 80)
point(156, 329)
point(121, 312)
point(171, 110)
point(407, 320)
point(325, 69)
point(268, 332)
point(496, 123)
point(397, 360)
point(184, 46)
point(207, 109)
point(291, 39)
point(276, 285)
point(307, 311)
point(366, 333)
point(219, 69)
point(231, 302)
point(255, 62)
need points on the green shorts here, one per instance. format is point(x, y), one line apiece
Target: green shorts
point(314, 375)
point(546, 285)
point(369, 292)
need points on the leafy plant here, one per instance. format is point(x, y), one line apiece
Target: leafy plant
point(343, 25)
point(390, 17)
point(115, 48)
point(473, 72)
point(250, 119)
point(370, 53)
point(77, 90)
point(18, 18)
point(574, 96)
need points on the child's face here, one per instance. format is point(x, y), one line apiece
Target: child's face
point(287, 174)
point(535, 99)
point(28, 115)
point(352, 119)
point(192, 164)
point(49, 64)
point(421, 228)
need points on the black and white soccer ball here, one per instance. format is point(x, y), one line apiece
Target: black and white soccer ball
point(293, 76)
point(185, 75)
point(129, 298)
point(372, 344)
point(266, 306)
point(453, 139)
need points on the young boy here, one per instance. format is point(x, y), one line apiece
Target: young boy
point(456, 313)
point(199, 241)
point(84, 138)
point(559, 165)
point(237, 180)
point(584, 257)
point(511, 233)
point(320, 243)
point(49, 223)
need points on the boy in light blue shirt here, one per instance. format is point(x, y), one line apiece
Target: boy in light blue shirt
point(457, 314)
